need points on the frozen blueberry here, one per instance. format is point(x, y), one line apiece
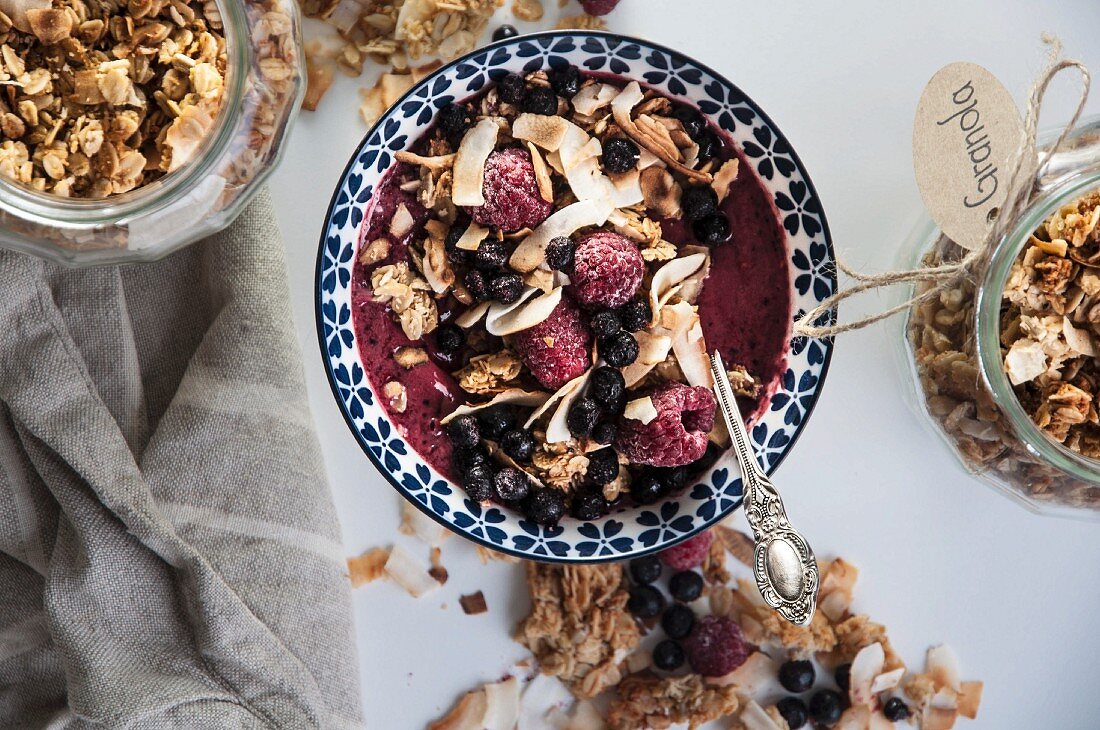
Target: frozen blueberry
point(505, 31)
point(506, 288)
point(645, 601)
point(464, 432)
point(699, 201)
point(519, 444)
point(794, 711)
point(895, 709)
point(590, 506)
point(449, 339)
point(826, 706)
point(545, 505)
point(490, 255)
point(796, 676)
point(510, 485)
point(605, 324)
point(645, 570)
point(495, 422)
point(450, 245)
point(512, 88)
point(620, 350)
point(690, 119)
point(677, 621)
point(477, 284)
point(606, 386)
point(620, 155)
point(605, 432)
point(842, 675)
point(478, 481)
point(712, 229)
point(454, 120)
point(603, 466)
point(668, 655)
point(540, 100)
point(673, 477)
point(647, 489)
point(635, 315)
point(566, 81)
point(582, 417)
point(559, 253)
point(686, 586)
point(466, 459)
point(709, 146)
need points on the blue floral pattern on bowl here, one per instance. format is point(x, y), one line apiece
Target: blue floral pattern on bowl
point(629, 532)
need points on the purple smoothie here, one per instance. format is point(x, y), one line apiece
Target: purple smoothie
point(745, 307)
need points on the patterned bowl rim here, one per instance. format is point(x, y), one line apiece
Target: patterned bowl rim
point(386, 473)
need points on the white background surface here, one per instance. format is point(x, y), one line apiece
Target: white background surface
point(942, 558)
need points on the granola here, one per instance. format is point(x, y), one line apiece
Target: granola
point(1050, 321)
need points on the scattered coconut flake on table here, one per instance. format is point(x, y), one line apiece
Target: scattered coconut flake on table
point(469, 166)
point(419, 525)
point(473, 603)
point(368, 567)
point(409, 574)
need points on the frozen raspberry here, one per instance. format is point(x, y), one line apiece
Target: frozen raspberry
point(598, 7)
point(688, 554)
point(678, 435)
point(558, 349)
point(715, 646)
point(607, 270)
point(512, 199)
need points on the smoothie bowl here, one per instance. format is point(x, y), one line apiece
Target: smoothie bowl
point(523, 269)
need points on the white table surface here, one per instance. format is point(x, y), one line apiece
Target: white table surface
point(942, 558)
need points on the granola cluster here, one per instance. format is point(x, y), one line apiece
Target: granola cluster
point(100, 99)
point(1050, 321)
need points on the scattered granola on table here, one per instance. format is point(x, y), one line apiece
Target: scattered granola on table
point(713, 652)
point(1050, 322)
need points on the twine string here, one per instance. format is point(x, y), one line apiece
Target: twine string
point(1027, 162)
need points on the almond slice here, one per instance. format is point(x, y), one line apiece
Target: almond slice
point(532, 250)
point(512, 396)
point(542, 174)
point(640, 409)
point(725, 176)
point(469, 165)
point(532, 308)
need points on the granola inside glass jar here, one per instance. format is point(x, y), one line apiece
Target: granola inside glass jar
point(1007, 370)
point(129, 130)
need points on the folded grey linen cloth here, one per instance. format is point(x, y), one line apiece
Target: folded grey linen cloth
point(169, 551)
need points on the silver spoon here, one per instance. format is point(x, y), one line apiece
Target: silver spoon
point(784, 565)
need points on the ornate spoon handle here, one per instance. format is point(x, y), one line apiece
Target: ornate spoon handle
point(784, 565)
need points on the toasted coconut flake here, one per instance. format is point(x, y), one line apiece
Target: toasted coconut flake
point(640, 409)
point(17, 11)
point(437, 571)
point(50, 25)
point(725, 176)
point(471, 238)
point(437, 267)
point(512, 396)
point(691, 351)
point(939, 718)
point(542, 174)
point(838, 582)
point(593, 98)
point(473, 603)
point(372, 107)
point(621, 108)
point(469, 164)
point(865, 667)
point(415, 523)
point(653, 349)
point(887, 680)
point(532, 308)
point(970, 697)
point(943, 665)
point(586, 717)
point(556, 429)
point(394, 86)
point(1025, 361)
point(545, 131)
point(408, 574)
point(668, 276)
point(543, 279)
point(532, 251)
point(368, 567)
point(436, 164)
point(661, 192)
point(468, 714)
point(753, 717)
point(473, 315)
point(402, 222)
point(1078, 339)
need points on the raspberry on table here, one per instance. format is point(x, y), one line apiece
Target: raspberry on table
point(607, 270)
point(512, 199)
point(689, 554)
point(557, 349)
point(679, 433)
point(716, 646)
point(598, 7)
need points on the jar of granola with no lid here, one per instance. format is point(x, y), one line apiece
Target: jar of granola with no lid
point(128, 131)
point(1007, 372)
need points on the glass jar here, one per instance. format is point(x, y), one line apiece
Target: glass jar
point(264, 85)
point(952, 351)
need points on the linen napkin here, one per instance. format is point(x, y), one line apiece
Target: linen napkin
point(169, 551)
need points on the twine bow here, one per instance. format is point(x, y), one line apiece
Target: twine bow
point(1027, 161)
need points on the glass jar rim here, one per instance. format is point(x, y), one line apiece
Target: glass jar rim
point(23, 202)
point(988, 328)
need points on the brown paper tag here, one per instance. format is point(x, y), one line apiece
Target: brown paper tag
point(965, 134)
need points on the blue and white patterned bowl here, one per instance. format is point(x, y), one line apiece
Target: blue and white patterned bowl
point(630, 532)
